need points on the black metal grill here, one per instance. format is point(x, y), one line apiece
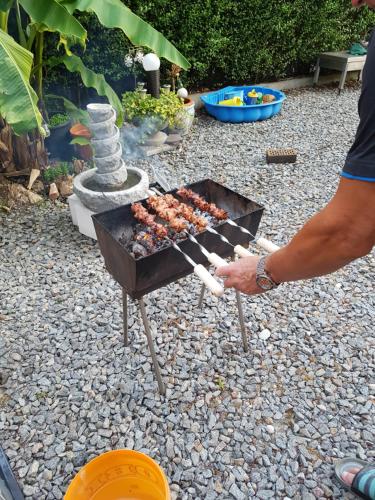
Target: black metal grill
point(139, 277)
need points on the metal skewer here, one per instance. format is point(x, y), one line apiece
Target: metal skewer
point(261, 242)
point(201, 271)
point(212, 257)
point(238, 249)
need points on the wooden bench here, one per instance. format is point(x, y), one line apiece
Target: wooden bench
point(340, 61)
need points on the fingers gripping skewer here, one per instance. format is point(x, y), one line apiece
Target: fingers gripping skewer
point(142, 214)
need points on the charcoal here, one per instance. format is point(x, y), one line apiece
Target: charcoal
point(139, 250)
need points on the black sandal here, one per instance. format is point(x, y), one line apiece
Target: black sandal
point(363, 483)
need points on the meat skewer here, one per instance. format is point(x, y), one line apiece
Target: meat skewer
point(220, 214)
point(215, 259)
point(169, 209)
point(144, 216)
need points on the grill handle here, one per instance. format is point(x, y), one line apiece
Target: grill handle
point(209, 280)
point(241, 251)
point(267, 245)
point(216, 260)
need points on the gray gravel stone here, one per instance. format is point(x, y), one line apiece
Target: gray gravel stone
point(248, 424)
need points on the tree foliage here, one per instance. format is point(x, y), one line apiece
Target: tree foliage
point(231, 41)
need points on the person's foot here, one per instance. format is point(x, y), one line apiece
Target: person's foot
point(348, 476)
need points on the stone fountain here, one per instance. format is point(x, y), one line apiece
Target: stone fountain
point(110, 184)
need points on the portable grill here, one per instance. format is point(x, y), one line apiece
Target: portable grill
point(138, 277)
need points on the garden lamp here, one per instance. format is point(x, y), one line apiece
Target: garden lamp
point(151, 64)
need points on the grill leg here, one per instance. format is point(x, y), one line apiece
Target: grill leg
point(125, 316)
point(201, 296)
point(151, 347)
point(242, 321)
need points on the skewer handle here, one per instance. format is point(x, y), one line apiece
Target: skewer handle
point(150, 193)
point(209, 280)
point(216, 260)
point(267, 245)
point(241, 251)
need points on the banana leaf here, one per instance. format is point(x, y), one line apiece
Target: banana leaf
point(5, 5)
point(54, 17)
point(114, 14)
point(18, 101)
point(76, 114)
point(91, 79)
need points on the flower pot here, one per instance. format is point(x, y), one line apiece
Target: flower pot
point(57, 143)
point(184, 119)
point(82, 152)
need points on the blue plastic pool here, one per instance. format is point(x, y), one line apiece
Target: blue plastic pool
point(246, 113)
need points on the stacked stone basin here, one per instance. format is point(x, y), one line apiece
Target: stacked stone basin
point(110, 183)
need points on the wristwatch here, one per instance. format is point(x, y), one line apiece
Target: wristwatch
point(263, 278)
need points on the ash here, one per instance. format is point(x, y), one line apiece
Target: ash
point(144, 241)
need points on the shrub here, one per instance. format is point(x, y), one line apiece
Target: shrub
point(166, 107)
point(53, 172)
point(228, 41)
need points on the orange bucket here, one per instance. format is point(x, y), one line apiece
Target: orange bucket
point(120, 475)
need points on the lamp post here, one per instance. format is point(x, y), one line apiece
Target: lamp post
point(151, 64)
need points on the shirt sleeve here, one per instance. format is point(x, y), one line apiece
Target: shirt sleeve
point(360, 161)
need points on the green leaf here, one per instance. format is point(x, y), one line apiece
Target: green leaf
point(54, 17)
point(91, 79)
point(114, 14)
point(18, 101)
point(5, 5)
point(76, 114)
point(82, 141)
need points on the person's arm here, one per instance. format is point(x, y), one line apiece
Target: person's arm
point(343, 231)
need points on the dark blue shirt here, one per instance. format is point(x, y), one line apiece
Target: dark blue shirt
point(360, 162)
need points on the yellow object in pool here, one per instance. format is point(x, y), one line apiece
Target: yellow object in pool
point(235, 101)
point(253, 94)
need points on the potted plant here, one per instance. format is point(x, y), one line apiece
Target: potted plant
point(150, 113)
point(184, 118)
point(57, 143)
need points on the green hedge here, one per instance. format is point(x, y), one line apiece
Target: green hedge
point(233, 41)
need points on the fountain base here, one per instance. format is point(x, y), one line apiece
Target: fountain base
point(81, 217)
point(98, 199)
point(89, 197)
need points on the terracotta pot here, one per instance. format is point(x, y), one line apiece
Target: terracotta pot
point(83, 152)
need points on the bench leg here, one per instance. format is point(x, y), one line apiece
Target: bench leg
point(342, 79)
point(317, 72)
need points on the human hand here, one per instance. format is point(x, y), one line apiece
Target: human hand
point(241, 275)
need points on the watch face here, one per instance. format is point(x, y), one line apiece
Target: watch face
point(264, 283)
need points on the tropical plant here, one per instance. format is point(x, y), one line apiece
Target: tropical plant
point(22, 62)
point(138, 106)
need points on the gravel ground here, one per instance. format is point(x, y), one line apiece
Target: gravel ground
point(266, 424)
